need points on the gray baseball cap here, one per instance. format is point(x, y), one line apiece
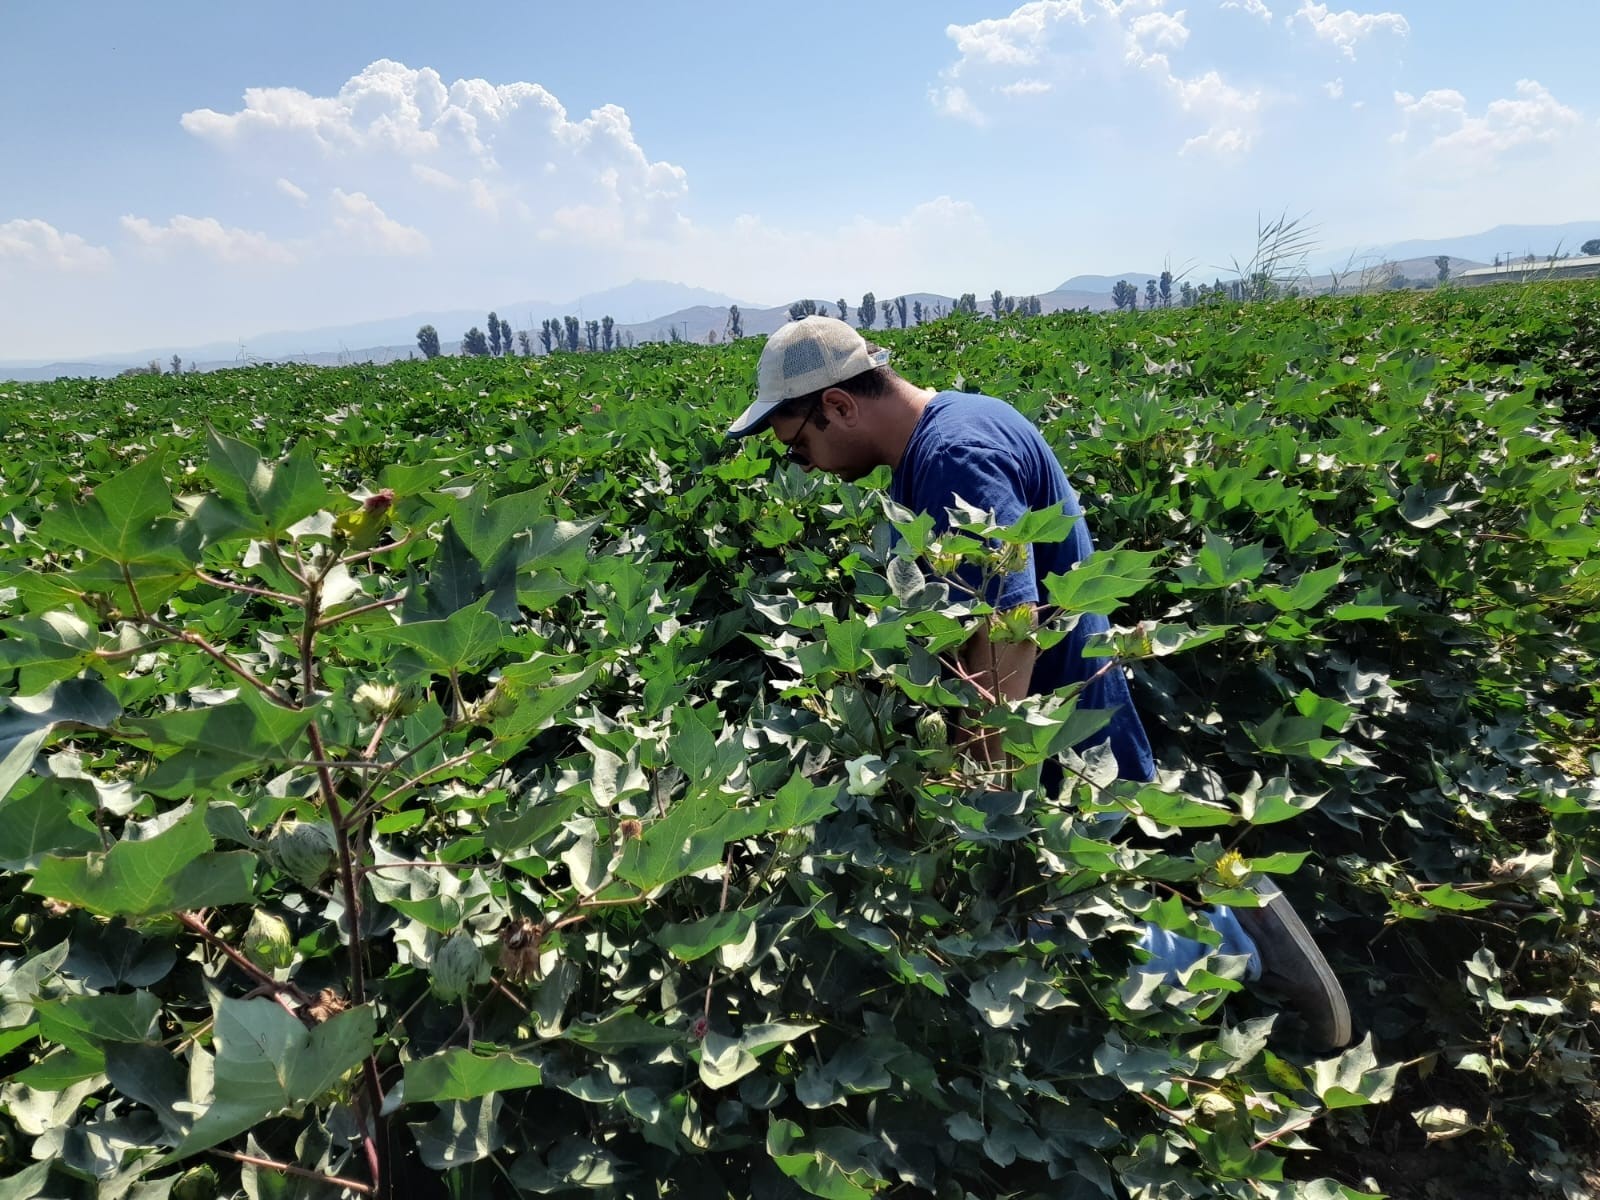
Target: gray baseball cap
point(803, 357)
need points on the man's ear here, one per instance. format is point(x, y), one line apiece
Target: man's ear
point(840, 405)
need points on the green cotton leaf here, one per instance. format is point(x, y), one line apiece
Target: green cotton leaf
point(26, 722)
point(1285, 862)
point(1101, 582)
point(1219, 563)
point(47, 648)
point(696, 939)
point(690, 838)
point(151, 1075)
point(531, 697)
point(18, 748)
point(1331, 713)
point(267, 1063)
point(296, 490)
point(459, 1074)
point(455, 577)
point(61, 1070)
point(905, 579)
point(1363, 612)
point(259, 500)
point(1451, 899)
point(155, 582)
point(171, 871)
point(1160, 640)
point(1230, 1149)
point(1440, 1122)
point(463, 1132)
point(516, 536)
point(725, 1060)
point(1181, 812)
point(622, 1030)
point(558, 545)
point(692, 747)
point(1538, 1006)
point(1303, 734)
point(235, 469)
point(21, 982)
point(1266, 804)
point(1041, 525)
point(486, 530)
point(800, 802)
point(120, 519)
point(107, 956)
point(83, 1022)
point(1354, 1078)
point(462, 641)
point(221, 743)
point(1423, 507)
point(27, 1183)
point(815, 1164)
point(846, 642)
point(1030, 735)
point(1310, 590)
point(510, 829)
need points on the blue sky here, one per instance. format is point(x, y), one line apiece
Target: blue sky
point(185, 171)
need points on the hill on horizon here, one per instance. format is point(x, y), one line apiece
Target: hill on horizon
point(653, 310)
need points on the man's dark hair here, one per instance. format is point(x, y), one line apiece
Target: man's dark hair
point(868, 385)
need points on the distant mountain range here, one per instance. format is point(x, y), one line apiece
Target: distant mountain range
point(658, 310)
point(1506, 241)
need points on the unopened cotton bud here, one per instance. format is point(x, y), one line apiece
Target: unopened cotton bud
point(268, 942)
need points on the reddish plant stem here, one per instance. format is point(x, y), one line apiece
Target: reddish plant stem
point(194, 639)
point(376, 1142)
point(388, 768)
point(223, 659)
point(458, 760)
point(308, 641)
point(353, 1185)
point(193, 921)
point(326, 622)
point(248, 590)
point(371, 751)
point(363, 555)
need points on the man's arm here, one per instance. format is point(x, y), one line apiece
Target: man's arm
point(1001, 670)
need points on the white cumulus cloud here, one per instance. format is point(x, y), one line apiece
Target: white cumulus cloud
point(1254, 7)
point(502, 150)
point(35, 243)
point(1058, 45)
point(1443, 122)
point(368, 227)
point(1229, 112)
point(1152, 33)
point(1017, 39)
point(291, 190)
point(953, 101)
point(1344, 29)
point(208, 236)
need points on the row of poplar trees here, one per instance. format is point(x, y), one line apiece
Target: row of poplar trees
point(558, 333)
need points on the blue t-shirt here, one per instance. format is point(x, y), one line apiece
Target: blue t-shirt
point(990, 455)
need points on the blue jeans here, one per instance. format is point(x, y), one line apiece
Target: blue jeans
point(1172, 953)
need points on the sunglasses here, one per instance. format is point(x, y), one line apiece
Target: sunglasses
point(793, 452)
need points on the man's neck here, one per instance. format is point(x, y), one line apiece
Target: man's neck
point(901, 407)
